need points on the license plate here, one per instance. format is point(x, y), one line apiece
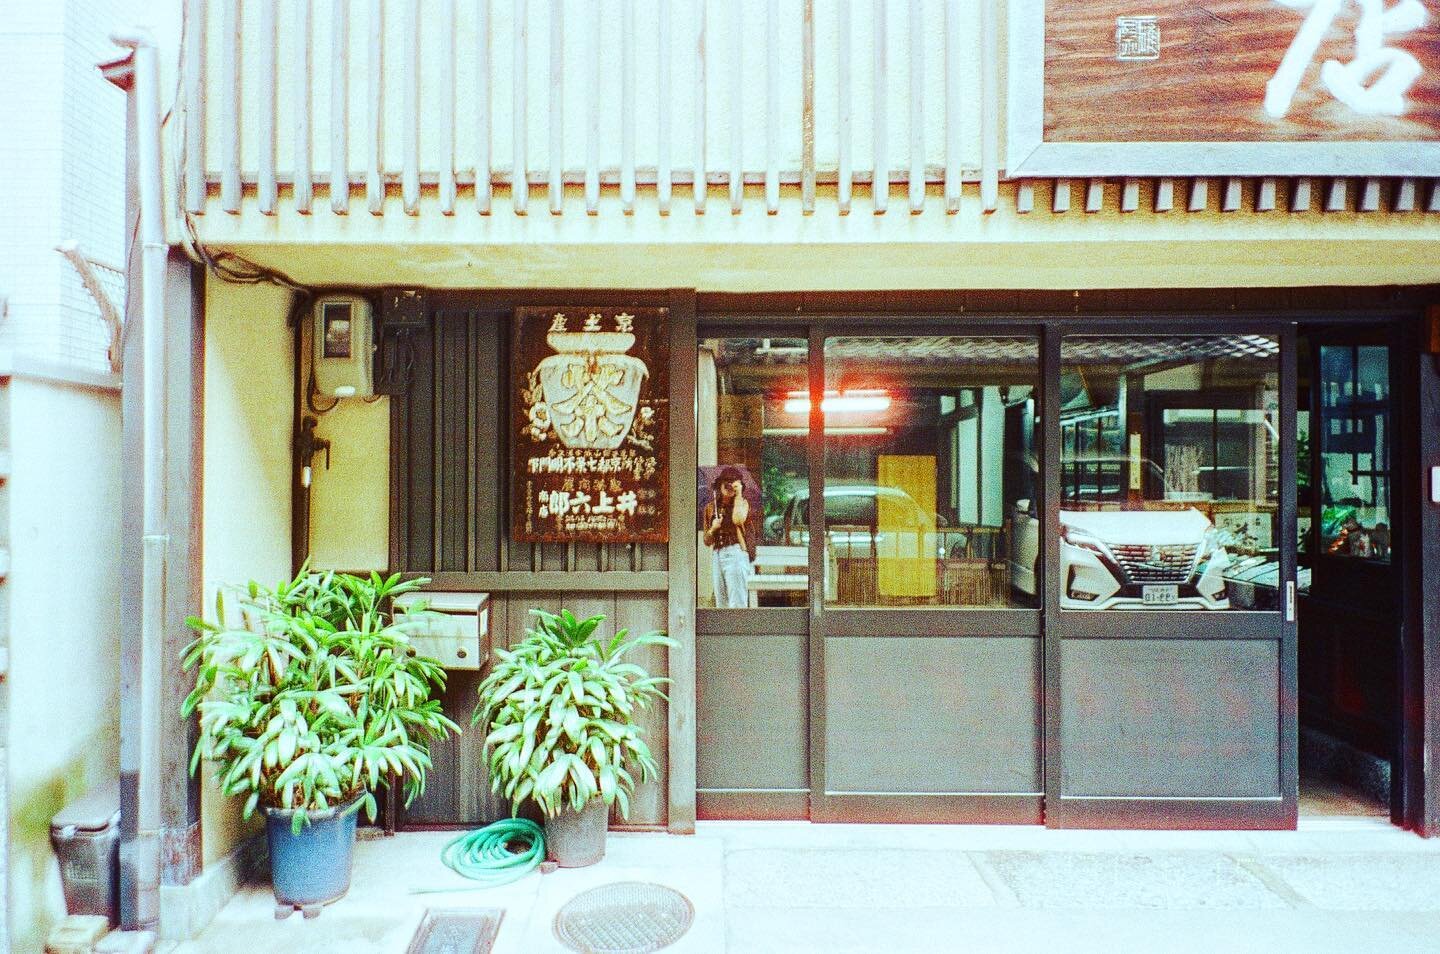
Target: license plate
point(1166, 595)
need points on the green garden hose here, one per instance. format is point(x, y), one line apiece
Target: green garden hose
point(484, 855)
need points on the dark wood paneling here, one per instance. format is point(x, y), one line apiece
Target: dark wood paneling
point(449, 522)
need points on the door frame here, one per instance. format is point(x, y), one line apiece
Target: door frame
point(1418, 392)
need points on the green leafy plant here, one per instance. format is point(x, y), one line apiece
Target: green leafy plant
point(559, 713)
point(317, 700)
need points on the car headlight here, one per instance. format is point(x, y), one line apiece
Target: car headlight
point(1080, 538)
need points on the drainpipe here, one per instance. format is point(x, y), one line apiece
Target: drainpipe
point(140, 764)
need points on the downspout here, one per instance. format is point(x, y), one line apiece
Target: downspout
point(140, 765)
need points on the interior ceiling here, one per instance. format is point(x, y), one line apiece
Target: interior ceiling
point(934, 351)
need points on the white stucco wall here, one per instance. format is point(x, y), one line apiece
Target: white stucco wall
point(246, 506)
point(63, 732)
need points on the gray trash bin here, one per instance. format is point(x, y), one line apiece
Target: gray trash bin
point(86, 836)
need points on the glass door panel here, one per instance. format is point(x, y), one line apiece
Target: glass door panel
point(1170, 642)
point(1172, 485)
point(930, 471)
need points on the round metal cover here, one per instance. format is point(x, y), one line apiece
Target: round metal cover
point(627, 917)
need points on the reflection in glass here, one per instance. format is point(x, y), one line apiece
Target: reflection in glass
point(1354, 439)
point(929, 459)
point(751, 451)
point(1170, 485)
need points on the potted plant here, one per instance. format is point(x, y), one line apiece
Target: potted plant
point(307, 710)
point(559, 713)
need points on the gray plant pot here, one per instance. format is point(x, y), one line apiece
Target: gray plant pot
point(576, 839)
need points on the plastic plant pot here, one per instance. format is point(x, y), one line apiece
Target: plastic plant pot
point(312, 868)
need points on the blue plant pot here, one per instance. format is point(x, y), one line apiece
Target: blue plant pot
point(312, 867)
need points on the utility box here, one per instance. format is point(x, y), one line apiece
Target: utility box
point(455, 631)
point(86, 838)
point(344, 352)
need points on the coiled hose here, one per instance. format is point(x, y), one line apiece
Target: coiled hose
point(484, 855)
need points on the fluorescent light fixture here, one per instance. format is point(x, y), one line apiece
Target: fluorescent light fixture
point(839, 402)
point(802, 431)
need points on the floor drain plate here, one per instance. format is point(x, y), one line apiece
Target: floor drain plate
point(456, 931)
point(627, 917)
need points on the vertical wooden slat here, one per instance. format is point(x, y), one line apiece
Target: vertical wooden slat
point(230, 107)
point(1265, 195)
point(1025, 197)
point(842, 93)
point(446, 52)
point(1434, 203)
point(1337, 196)
point(807, 108)
point(266, 189)
point(772, 106)
point(1060, 201)
point(375, 86)
point(1164, 194)
point(1405, 196)
point(592, 107)
point(340, 106)
point(482, 107)
point(880, 176)
point(1230, 201)
point(1300, 195)
point(954, 89)
point(519, 169)
point(663, 102)
point(699, 144)
point(627, 105)
point(1094, 195)
point(557, 106)
point(410, 137)
point(989, 107)
point(304, 188)
point(1199, 194)
point(1130, 195)
point(917, 107)
point(1370, 195)
point(194, 84)
point(737, 106)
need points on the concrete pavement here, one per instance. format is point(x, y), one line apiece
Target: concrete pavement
point(1334, 885)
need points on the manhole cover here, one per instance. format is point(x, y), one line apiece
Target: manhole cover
point(628, 917)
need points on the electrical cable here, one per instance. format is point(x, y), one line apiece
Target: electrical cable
point(484, 855)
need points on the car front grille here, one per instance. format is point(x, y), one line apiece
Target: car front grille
point(1142, 563)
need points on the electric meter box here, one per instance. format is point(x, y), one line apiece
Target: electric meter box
point(343, 335)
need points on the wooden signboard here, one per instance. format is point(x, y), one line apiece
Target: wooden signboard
point(1225, 87)
point(590, 424)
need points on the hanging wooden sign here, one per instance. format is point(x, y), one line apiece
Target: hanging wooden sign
point(590, 426)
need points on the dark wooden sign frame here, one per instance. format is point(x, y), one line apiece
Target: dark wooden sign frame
point(589, 425)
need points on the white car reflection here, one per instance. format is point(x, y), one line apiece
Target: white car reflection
point(1127, 559)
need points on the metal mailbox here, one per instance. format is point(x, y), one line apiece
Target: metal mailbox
point(455, 630)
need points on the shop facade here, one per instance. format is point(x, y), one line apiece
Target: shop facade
point(1122, 455)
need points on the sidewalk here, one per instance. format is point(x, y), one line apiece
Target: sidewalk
point(1334, 885)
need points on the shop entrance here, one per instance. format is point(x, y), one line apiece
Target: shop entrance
point(998, 613)
point(1352, 555)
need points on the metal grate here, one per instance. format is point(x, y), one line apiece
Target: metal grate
point(627, 917)
point(1142, 563)
point(456, 931)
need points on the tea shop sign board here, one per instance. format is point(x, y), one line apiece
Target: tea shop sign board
point(590, 423)
point(1224, 87)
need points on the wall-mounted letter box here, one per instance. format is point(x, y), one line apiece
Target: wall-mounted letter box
point(455, 630)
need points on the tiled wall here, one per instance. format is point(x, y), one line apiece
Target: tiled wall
point(62, 157)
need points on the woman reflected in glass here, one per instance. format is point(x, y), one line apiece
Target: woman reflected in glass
point(724, 532)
